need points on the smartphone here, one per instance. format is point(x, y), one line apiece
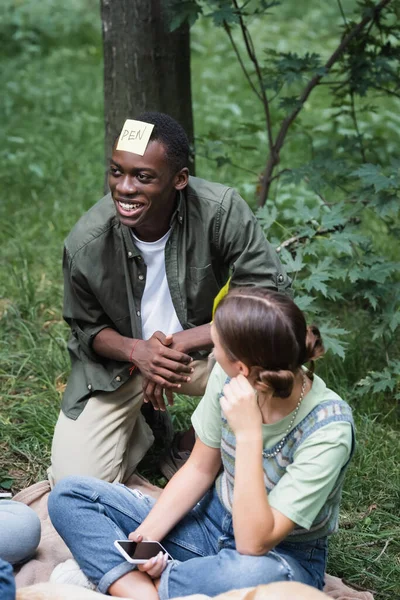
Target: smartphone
point(139, 552)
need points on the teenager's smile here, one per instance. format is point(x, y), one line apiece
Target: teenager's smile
point(130, 208)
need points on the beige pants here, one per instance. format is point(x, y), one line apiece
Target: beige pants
point(110, 437)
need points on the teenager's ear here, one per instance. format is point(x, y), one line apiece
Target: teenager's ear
point(243, 369)
point(182, 179)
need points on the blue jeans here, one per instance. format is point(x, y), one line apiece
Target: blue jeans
point(19, 532)
point(7, 583)
point(90, 515)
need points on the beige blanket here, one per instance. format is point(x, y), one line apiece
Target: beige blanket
point(274, 591)
point(52, 550)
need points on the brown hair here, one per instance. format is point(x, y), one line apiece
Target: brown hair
point(268, 333)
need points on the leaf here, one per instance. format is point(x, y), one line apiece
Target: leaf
point(385, 383)
point(330, 336)
point(181, 11)
point(304, 302)
point(371, 175)
point(226, 14)
point(386, 380)
point(289, 103)
point(379, 330)
point(7, 483)
point(293, 68)
point(292, 265)
point(336, 243)
point(386, 203)
point(266, 216)
point(381, 272)
point(372, 299)
point(394, 321)
point(334, 217)
point(316, 281)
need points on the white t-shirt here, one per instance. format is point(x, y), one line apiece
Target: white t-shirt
point(157, 311)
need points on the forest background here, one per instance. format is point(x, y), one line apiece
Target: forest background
point(332, 212)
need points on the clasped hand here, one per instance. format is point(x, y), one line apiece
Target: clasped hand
point(164, 368)
point(240, 406)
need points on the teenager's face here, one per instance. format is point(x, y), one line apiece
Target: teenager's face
point(144, 190)
point(231, 368)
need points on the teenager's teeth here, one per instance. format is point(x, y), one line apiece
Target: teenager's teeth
point(129, 206)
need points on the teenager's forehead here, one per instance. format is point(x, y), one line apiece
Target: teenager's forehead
point(154, 157)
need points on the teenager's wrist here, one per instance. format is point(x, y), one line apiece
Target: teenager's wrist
point(130, 349)
point(149, 533)
point(249, 438)
point(193, 340)
point(135, 349)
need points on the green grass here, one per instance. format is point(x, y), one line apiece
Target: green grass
point(51, 171)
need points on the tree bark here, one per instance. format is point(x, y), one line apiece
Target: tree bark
point(145, 66)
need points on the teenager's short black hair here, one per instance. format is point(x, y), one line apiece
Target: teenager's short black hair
point(171, 135)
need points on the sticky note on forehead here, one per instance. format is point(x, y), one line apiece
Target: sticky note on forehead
point(135, 136)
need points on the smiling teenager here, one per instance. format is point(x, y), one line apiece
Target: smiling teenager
point(141, 270)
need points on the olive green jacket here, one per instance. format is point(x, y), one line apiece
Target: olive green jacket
point(214, 235)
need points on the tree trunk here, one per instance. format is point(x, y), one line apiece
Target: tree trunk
point(145, 66)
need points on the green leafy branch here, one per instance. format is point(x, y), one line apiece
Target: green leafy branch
point(287, 69)
point(387, 380)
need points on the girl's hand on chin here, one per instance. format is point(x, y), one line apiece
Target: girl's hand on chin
point(240, 407)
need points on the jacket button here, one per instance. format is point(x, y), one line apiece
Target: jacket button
point(280, 278)
point(89, 387)
point(118, 378)
point(138, 313)
point(130, 254)
point(141, 277)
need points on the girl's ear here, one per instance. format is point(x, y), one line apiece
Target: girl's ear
point(243, 369)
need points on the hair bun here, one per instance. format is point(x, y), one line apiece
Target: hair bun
point(314, 345)
point(279, 382)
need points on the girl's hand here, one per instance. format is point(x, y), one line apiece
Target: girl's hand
point(154, 566)
point(240, 407)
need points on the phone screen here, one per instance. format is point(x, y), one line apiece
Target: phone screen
point(141, 550)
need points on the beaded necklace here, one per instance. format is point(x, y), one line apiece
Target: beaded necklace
point(296, 410)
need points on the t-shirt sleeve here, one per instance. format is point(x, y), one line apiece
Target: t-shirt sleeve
point(206, 419)
point(303, 490)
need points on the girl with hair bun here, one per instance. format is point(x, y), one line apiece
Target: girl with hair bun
point(260, 493)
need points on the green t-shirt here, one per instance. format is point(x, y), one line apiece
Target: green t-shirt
point(302, 491)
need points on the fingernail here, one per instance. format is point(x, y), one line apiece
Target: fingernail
point(179, 385)
point(154, 560)
point(188, 379)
